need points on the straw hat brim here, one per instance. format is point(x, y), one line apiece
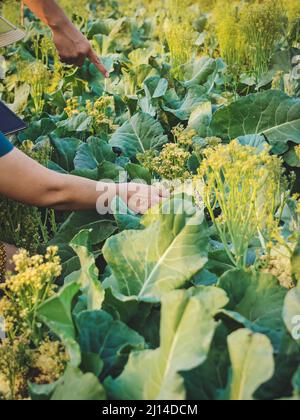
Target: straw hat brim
point(11, 37)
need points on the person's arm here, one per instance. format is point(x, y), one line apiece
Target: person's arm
point(23, 179)
point(72, 46)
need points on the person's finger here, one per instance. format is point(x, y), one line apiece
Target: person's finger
point(92, 56)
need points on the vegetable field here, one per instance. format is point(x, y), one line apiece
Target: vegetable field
point(197, 299)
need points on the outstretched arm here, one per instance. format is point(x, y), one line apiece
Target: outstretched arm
point(72, 46)
point(23, 179)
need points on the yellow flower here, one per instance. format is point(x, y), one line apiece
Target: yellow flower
point(248, 32)
point(101, 111)
point(278, 263)
point(180, 39)
point(37, 76)
point(49, 362)
point(27, 289)
point(72, 107)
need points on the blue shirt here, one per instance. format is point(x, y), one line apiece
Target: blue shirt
point(5, 145)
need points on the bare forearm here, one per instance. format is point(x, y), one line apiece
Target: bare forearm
point(76, 193)
point(24, 180)
point(48, 11)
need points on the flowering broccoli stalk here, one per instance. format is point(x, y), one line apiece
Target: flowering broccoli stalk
point(26, 290)
point(242, 192)
point(171, 163)
point(27, 353)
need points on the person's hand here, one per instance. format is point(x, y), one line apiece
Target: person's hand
point(73, 47)
point(140, 197)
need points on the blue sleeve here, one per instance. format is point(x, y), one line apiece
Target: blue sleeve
point(5, 145)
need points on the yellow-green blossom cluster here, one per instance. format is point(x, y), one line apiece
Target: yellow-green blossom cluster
point(41, 153)
point(248, 32)
point(101, 111)
point(242, 192)
point(296, 198)
point(293, 9)
point(73, 107)
point(26, 289)
point(27, 353)
point(183, 138)
point(11, 10)
point(180, 39)
point(263, 25)
point(37, 76)
point(15, 358)
point(48, 362)
point(278, 263)
point(171, 162)
point(20, 363)
point(179, 34)
point(229, 34)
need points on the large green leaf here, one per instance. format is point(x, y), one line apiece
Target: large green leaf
point(88, 276)
point(138, 172)
point(38, 129)
point(272, 113)
point(292, 158)
point(101, 227)
point(205, 382)
point(56, 314)
point(200, 118)
point(252, 363)
point(256, 302)
point(65, 151)
point(77, 123)
point(287, 359)
point(112, 340)
point(195, 96)
point(186, 333)
point(76, 386)
point(91, 154)
point(198, 71)
point(149, 263)
point(140, 133)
